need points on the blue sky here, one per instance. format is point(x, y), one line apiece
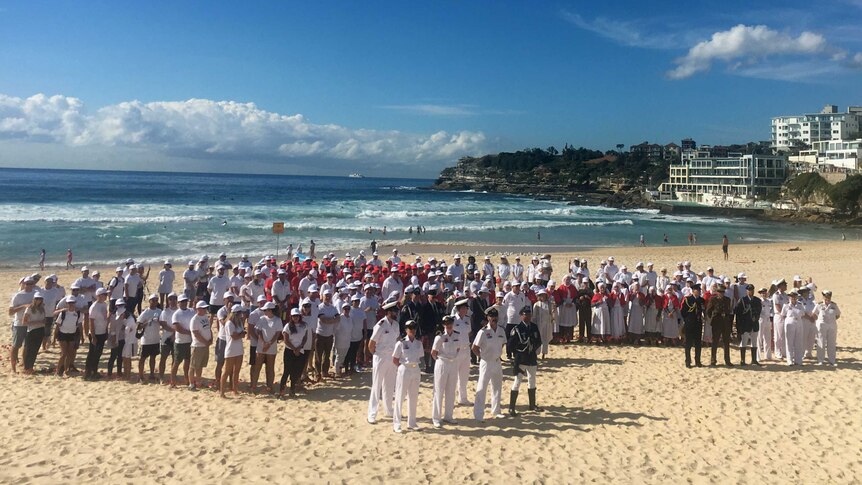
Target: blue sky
point(403, 88)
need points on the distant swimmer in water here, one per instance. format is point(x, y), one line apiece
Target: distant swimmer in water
point(224, 223)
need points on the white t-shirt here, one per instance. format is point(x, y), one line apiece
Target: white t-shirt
point(408, 352)
point(99, 318)
point(326, 311)
point(267, 328)
point(296, 338)
point(166, 316)
point(357, 319)
point(87, 286)
point(190, 279)
point(166, 281)
point(310, 322)
point(68, 321)
point(22, 298)
point(222, 314)
point(182, 319)
point(51, 297)
point(280, 290)
point(343, 331)
point(129, 329)
point(133, 281)
point(234, 345)
point(150, 319)
point(253, 318)
point(218, 286)
point(201, 325)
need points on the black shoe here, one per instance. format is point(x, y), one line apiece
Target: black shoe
point(698, 364)
point(688, 365)
point(728, 363)
point(513, 399)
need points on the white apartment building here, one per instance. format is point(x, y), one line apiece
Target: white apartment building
point(837, 153)
point(737, 175)
point(809, 129)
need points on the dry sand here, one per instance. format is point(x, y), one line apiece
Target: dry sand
point(622, 414)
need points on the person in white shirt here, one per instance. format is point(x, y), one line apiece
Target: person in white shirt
point(116, 336)
point(97, 333)
point(166, 282)
point(488, 345)
point(202, 338)
point(190, 281)
point(514, 301)
point(343, 334)
point(268, 328)
point(148, 323)
point(327, 319)
point(295, 336)
point(407, 357)
point(444, 351)
point(827, 315)
point(166, 342)
point(87, 285)
point(69, 321)
point(462, 326)
point(382, 344)
point(392, 284)
point(281, 293)
point(456, 270)
point(218, 285)
point(20, 301)
point(357, 333)
point(517, 271)
point(130, 346)
point(181, 323)
point(395, 259)
point(235, 330)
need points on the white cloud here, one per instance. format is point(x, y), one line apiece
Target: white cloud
point(744, 44)
point(435, 109)
point(630, 33)
point(205, 129)
point(856, 61)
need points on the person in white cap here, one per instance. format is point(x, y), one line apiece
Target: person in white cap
point(19, 303)
point(517, 271)
point(407, 357)
point(202, 338)
point(268, 329)
point(148, 329)
point(456, 269)
point(133, 283)
point(219, 325)
point(116, 336)
point(488, 345)
point(543, 317)
point(445, 352)
point(381, 345)
point(53, 295)
point(235, 330)
point(295, 335)
point(827, 315)
point(166, 343)
point(327, 320)
point(69, 320)
point(217, 286)
point(462, 326)
point(130, 346)
point(34, 321)
point(369, 304)
point(87, 286)
point(280, 292)
point(343, 333)
point(357, 333)
point(190, 281)
point(181, 323)
point(794, 316)
point(779, 301)
point(166, 282)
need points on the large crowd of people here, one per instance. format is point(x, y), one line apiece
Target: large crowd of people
point(336, 316)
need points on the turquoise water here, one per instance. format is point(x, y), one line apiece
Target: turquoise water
point(108, 216)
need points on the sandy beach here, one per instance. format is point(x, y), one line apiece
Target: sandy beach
point(621, 414)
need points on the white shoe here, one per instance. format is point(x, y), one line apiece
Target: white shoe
point(499, 416)
point(414, 428)
point(372, 421)
point(398, 430)
point(437, 424)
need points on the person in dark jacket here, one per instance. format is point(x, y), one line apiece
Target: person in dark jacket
point(692, 316)
point(524, 341)
point(431, 314)
point(721, 313)
point(477, 306)
point(747, 312)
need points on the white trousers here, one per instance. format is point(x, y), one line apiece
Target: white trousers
point(794, 334)
point(827, 336)
point(780, 341)
point(490, 374)
point(382, 382)
point(810, 337)
point(463, 361)
point(340, 357)
point(748, 339)
point(764, 341)
point(406, 385)
point(445, 377)
point(531, 377)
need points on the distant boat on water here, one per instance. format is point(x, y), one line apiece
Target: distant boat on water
point(356, 175)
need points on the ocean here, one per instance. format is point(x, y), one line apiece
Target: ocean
point(107, 216)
